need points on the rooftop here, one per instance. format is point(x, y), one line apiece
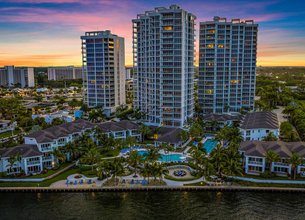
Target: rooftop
point(24, 150)
point(283, 149)
point(49, 134)
point(118, 126)
point(168, 134)
point(221, 117)
point(256, 120)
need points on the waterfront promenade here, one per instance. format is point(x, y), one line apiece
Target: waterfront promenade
point(152, 188)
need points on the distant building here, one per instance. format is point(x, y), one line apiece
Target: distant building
point(64, 115)
point(11, 76)
point(104, 70)
point(257, 125)
point(227, 65)
point(7, 125)
point(221, 120)
point(64, 72)
point(254, 156)
point(163, 49)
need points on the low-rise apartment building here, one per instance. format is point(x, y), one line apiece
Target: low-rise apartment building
point(121, 129)
point(36, 154)
point(257, 125)
point(7, 125)
point(255, 162)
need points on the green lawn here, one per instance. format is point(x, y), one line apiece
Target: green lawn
point(196, 184)
point(180, 179)
point(245, 183)
point(110, 153)
point(43, 175)
point(271, 177)
point(45, 183)
point(50, 172)
point(9, 133)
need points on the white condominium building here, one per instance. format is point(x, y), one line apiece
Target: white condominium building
point(163, 49)
point(103, 70)
point(227, 65)
point(11, 76)
point(64, 72)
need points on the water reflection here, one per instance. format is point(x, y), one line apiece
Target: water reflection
point(152, 205)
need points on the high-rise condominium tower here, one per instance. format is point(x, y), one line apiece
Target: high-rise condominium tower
point(163, 48)
point(227, 65)
point(103, 70)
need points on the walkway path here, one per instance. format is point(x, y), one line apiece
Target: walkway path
point(267, 180)
point(181, 183)
point(37, 179)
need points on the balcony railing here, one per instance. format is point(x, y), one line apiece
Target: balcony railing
point(281, 164)
point(255, 163)
point(33, 163)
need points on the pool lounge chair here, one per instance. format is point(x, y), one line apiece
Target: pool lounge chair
point(75, 182)
point(67, 182)
point(132, 181)
point(89, 181)
point(81, 181)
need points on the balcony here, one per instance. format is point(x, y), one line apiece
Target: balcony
point(280, 164)
point(32, 163)
point(255, 163)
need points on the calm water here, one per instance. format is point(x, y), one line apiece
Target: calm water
point(152, 205)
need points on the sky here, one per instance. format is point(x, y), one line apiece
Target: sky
point(47, 32)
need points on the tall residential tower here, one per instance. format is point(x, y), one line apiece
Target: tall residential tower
point(103, 70)
point(163, 48)
point(227, 65)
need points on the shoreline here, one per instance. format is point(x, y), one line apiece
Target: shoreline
point(151, 188)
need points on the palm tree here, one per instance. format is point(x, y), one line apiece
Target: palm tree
point(271, 157)
point(103, 169)
point(134, 160)
point(116, 168)
point(218, 159)
point(184, 135)
point(13, 160)
point(270, 137)
point(91, 157)
point(158, 169)
point(295, 160)
point(71, 149)
point(144, 130)
point(146, 171)
point(196, 131)
point(233, 165)
point(59, 155)
point(162, 170)
point(130, 141)
point(152, 154)
point(197, 156)
point(96, 115)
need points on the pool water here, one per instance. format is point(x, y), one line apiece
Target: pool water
point(166, 158)
point(209, 145)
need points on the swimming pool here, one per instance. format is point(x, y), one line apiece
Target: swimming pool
point(166, 157)
point(209, 145)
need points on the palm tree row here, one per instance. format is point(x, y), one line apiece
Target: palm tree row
point(221, 161)
point(295, 160)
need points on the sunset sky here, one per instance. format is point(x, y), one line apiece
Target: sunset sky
point(47, 32)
